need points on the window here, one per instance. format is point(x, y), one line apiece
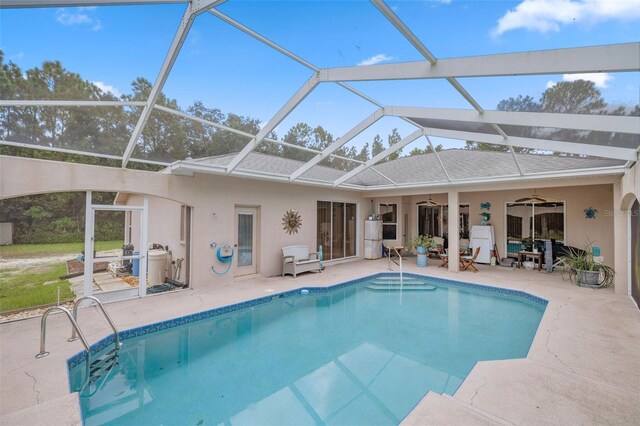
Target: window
point(542, 221)
point(389, 214)
point(183, 224)
point(336, 229)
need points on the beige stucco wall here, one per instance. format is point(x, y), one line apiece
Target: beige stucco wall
point(579, 230)
point(212, 197)
point(163, 225)
point(209, 194)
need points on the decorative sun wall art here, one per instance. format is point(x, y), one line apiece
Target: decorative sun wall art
point(291, 221)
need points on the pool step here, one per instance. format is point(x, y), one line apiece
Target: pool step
point(396, 281)
point(398, 287)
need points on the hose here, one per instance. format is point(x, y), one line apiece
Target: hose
point(223, 259)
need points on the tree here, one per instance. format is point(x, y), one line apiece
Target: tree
point(521, 103)
point(393, 138)
point(304, 135)
point(427, 150)
point(568, 97)
point(376, 146)
point(363, 155)
point(573, 97)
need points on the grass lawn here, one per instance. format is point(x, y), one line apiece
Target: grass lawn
point(24, 287)
point(43, 250)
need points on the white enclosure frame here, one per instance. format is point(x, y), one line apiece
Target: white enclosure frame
point(624, 57)
point(89, 244)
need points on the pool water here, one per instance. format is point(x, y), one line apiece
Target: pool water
point(359, 354)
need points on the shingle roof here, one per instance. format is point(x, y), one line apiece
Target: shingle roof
point(461, 164)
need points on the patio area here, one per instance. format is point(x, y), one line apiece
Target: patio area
point(582, 368)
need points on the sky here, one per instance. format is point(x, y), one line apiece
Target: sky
point(224, 68)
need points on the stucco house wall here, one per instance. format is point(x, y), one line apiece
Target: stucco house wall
point(209, 194)
point(579, 230)
point(214, 199)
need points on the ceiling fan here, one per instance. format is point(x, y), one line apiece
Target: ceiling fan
point(535, 198)
point(428, 203)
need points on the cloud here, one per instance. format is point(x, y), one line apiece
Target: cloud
point(550, 15)
point(78, 16)
point(107, 88)
point(600, 79)
point(376, 59)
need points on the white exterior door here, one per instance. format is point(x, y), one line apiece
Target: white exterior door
point(245, 246)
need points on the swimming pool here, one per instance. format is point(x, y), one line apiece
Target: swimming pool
point(362, 352)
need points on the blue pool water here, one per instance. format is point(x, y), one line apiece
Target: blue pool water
point(358, 354)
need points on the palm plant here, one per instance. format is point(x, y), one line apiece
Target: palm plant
point(584, 270)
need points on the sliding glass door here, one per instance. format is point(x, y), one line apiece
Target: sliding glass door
point(336, 231)
point(527, 222)
point(433, 220)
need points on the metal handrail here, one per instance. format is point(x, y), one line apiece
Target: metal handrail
point(74, 336)
point(399, 263)
point(391, 260)
point(74, 324)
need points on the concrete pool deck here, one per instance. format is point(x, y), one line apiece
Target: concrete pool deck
point(583, 366)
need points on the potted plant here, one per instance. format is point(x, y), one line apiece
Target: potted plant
point(422, 243)
point(586, 271)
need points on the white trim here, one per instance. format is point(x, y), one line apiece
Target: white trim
point(181, 166)
point(286, 109)
point(230, 129)
point(355, 131)
point(629, 252)
point(144, 257)
point(404, 30)
point(380, 156)
point(75, 152)
point(594, 150)
point(19, 4)
point(89, 230)
point(287, 53)
point(622, 57)
point(263, 39)
point(195, 7)
point(20, 103)
point(116, 207)
point(383, 175)
point(601, 123)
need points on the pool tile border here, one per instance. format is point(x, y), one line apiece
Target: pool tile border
point(199, 316)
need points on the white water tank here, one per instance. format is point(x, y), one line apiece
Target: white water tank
point(157, 266)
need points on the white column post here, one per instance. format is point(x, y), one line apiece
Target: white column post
point(89, 219)
point(621, 242)
point(453, 230)
point(142, 277)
